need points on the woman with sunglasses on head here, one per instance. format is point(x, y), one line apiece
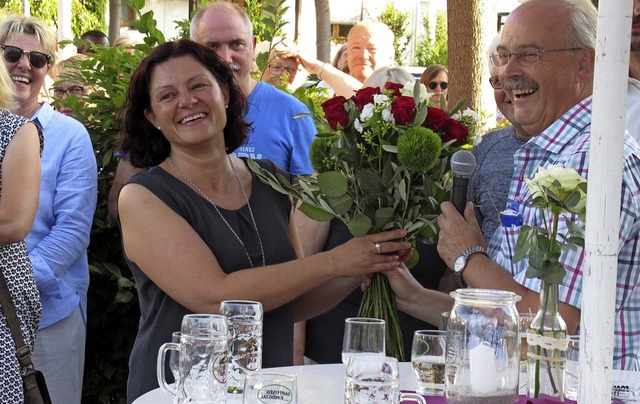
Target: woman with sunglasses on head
point(20, 148)
point(436, 79)
point(58, 240)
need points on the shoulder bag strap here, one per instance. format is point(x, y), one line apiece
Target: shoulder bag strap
point(22, 349)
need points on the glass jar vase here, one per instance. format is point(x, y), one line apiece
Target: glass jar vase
point(482, 363)
point(548, 343)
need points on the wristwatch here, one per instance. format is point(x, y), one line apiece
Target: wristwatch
point(461, 262)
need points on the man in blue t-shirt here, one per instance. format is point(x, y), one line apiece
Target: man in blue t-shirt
point(277, 134)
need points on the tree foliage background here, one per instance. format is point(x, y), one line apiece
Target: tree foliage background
point(85, 14)
point(433, 51)
point(397, 21)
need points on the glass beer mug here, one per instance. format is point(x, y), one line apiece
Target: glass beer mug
point(202, 369)
point(483, 347)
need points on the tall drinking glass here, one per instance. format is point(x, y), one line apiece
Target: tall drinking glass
point(427, 359)
point(245, 324)
point(572, 369)
point(363, 336)
point(525, 321)
point(374, 379)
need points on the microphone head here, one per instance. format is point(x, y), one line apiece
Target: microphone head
point(463, 162)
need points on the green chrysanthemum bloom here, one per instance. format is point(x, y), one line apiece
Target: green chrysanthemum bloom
point(419, 149)
point(319, 153)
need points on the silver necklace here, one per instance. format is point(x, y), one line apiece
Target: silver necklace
point(253, 219)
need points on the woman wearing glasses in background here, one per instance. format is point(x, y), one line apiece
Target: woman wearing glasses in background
point(58, 240)
point(283, 70)
point(436, 79)
point(62, 87)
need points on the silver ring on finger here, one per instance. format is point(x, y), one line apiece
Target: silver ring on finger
point(378, 248)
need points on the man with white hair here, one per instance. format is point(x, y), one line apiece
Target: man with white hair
point(369, 47)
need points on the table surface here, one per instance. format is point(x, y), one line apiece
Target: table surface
point(317, 384)
point(322, 384)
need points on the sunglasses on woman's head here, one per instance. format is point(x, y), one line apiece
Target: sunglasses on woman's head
point(443, 85)
point(13, 54)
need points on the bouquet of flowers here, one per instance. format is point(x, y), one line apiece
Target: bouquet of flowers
point(558, 193)
point(381, 159)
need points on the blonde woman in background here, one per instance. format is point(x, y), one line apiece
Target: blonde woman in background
point(20, 148)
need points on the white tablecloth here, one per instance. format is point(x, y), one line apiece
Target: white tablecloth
point(317, 384)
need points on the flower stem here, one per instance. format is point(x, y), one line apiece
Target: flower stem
point(384, 308)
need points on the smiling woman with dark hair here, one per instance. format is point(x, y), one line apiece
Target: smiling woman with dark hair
point(197, 228)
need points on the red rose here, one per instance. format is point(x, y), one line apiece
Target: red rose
point(335, 112)
point(394, 87)
point(457, 131)
point(403, 109)
point(364, 96)
point(436, 119)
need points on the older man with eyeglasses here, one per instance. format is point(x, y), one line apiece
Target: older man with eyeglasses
point(545, 62)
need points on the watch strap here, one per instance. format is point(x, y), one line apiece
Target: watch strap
point(468, 252)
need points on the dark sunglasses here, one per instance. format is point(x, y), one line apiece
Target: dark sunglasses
point(443, 85)
point(37, 60)
point(495, 82)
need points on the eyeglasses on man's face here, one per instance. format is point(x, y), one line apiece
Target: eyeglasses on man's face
point(434, 84)
point(37, 60)
point(495, 82)
point(277, 69)
point(527, 56)
point(78, 91)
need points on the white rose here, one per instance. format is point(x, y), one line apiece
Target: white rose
point(388, 116)
point(380, 99)
point(408, 89)
point(367, 112)
point(358, 125)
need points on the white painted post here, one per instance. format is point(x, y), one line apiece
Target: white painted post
point(64, 28)
point(603, 201)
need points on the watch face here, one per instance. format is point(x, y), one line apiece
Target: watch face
point(458, 266)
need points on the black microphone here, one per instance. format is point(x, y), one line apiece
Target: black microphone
point(463, 162)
